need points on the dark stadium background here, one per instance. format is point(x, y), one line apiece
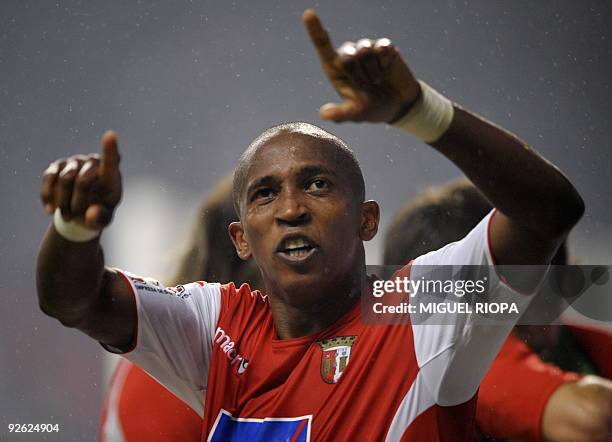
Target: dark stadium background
point(187, 85)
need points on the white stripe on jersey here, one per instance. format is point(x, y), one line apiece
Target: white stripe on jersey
point(410, 409)
point(111, 429)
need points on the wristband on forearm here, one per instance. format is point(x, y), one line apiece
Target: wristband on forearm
point(72, 231)
point(429, 117)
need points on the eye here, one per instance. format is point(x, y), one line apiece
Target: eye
point(263, 194)
point(318, 184)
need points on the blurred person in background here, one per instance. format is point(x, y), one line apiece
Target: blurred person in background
point(549, 382)
point(137, 407)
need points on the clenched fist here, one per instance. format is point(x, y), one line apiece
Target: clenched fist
point(580, 411)
point(86, 188)
point(370, 76)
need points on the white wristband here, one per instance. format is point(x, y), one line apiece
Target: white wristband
point(72, 231)
point(429, 117)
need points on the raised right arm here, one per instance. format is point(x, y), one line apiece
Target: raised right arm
point(73, 284)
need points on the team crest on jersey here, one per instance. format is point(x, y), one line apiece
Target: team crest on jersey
point(335, 358)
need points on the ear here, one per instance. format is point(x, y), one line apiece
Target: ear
point(236, 232)
point(370, 218)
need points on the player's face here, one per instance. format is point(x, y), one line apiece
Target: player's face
point(301, 218)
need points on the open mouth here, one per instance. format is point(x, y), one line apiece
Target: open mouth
point(297, 248)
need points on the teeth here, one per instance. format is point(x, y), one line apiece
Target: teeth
point(299, 252)
point(295, 244)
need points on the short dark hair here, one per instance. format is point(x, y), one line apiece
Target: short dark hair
point(439, 216)
point(209, 253)
point(353, 170)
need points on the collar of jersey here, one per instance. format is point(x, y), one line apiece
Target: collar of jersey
point(350, 316)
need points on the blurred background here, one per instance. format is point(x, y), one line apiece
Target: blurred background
point(188, 84)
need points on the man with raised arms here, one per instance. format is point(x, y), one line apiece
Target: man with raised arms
point(298, 363)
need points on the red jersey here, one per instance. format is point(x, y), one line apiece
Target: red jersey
point(216, 348)
point(515, 391)
point(138, 408)
point(596, 345)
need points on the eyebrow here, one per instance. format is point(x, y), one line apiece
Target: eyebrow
point(317, 169)
point(303, 173)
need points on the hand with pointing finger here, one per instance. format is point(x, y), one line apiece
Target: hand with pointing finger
point(86, 188)
point(370, 76)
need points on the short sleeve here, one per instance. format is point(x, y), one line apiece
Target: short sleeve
point(454, 357)
point(174, 338)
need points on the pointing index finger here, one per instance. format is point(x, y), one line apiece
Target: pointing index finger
point(109, 165)
point(319, 36)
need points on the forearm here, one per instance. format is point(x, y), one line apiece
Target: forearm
point(69, 277)
point(376, 85)
point(517, 181)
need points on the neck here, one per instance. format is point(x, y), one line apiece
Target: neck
point(294, 321)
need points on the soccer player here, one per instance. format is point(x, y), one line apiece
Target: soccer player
point(521, 397)
point(297, 363)
point(137, 407)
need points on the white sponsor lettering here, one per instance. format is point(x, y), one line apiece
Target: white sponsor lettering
point(228, 347)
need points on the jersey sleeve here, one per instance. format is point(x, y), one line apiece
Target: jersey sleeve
point(454, 357)
point(174, 335)
point(515, 391)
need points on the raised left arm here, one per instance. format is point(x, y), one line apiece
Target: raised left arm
point(537, 205)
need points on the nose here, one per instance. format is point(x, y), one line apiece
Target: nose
point(291, 210)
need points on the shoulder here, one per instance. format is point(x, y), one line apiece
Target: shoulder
point(473, 249)
point(148, 285)
point(241, 300)
point(240, 294)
